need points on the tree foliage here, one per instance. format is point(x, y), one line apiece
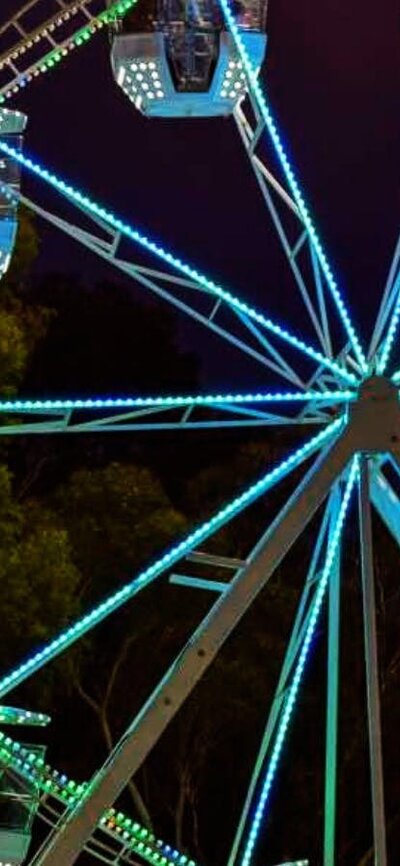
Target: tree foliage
point(38, 577)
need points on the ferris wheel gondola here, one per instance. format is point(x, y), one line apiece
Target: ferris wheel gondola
point(176, 58)
point(12, 125)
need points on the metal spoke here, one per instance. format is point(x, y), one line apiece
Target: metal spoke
point(153, 572)
point(132, 234)
point(294, 647)
point(292, 693)
point(268, 185)
point(371, 663)
point(270, 124)
point(127, 756)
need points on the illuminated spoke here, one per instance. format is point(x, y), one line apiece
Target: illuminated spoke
point(193, 540)
point(388, 343)
point(17, 59)
point(293, 691)
point(271, 125)
point(173, 402)
point(390, 294)
point(235, 303)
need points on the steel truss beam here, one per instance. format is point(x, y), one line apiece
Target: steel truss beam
point(240, 332)
point(300, 253)
point(295, 644)
point(166, 413)
point(63, 847)
point(371, 667)
point(258, 326)
point(72, 24)
point(385, 501)
point(266, 121)
point(388, 304)
point(368, 430)
point(332, 701)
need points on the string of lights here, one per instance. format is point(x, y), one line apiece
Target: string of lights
point(156, 249)
point(174, 402)
point(290, 175)
point(293, 690)
point(63, 49)
point(70, 635)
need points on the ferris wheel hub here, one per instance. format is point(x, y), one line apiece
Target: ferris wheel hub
point(375, 416)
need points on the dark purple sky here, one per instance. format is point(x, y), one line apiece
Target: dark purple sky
point(333, 73)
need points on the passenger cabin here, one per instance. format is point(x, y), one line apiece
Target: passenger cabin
point(19, 790)
point(175, 58)
point(12, 125)
point(19, 800)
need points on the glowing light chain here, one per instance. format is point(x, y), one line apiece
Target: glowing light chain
point(272, 127)
point(14, 716)
point(174, 402)
point(211, 287)
point(49, 781)
point(383, 358)
point(300, 667)
point(150, 574)
point(75, 40)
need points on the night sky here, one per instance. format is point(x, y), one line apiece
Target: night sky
point(332, 72)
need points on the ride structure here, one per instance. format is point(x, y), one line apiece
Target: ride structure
point(348, 395)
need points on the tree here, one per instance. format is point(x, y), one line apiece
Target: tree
point(39, 580)
point(118, 517)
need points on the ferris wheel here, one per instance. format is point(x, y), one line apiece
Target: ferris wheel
point(201, 58)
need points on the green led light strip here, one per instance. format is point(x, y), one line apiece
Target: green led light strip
point(54, 57)
point(49, 781)
point(14, 716)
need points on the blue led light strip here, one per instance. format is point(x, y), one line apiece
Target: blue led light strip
point(396, 377)
point(300, 667)
point(137, 237)
point(129, 590)
point(174, 402)
point(272, 127)
point(388, 343)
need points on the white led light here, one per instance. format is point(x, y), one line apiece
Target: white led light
point(145, 85)
point(142, 65)
point(121, 76)
point(134, 67)
point(160, 94)
point(139, 76)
